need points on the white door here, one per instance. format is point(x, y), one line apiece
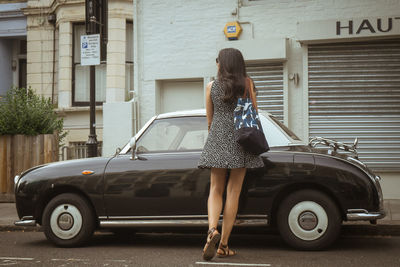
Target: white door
point(181, 95)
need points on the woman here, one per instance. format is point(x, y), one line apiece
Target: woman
point(222, 153)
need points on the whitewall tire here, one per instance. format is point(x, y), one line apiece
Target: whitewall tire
point(309, 220)
point(68, 220)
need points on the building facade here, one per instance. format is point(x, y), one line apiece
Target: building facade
point(12, 45)
point(324, 68)
point(54, 65)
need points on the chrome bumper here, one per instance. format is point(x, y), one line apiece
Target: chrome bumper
point(26, 221)
point(364, 215)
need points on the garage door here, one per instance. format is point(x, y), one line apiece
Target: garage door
point(181, 95)
point(268, 79)
point(354, 91)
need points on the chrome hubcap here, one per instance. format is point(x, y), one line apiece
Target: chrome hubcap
point(65, 221)
point(308, 220)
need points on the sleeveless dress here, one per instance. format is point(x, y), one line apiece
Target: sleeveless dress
point(221, 149)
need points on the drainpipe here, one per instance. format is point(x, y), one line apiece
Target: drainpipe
point(52, 20)
point(136, 68)
point(239, 5)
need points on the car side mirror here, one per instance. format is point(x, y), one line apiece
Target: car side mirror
point(117, 151)
point(132, 144)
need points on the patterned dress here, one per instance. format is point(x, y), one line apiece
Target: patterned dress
point(221, 149)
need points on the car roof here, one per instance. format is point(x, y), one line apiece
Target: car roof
point(182, 113)
point(188, 113)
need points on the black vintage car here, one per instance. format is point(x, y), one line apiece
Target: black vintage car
point(154, 182)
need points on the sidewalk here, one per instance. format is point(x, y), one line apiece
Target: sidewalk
point(390, 225)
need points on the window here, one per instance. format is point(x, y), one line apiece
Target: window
point(22, 64)
point(81, 74)
point(129, 60)
point(176, 134)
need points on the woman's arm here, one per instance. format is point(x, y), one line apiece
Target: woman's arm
point(209, 105)
point(253, 94)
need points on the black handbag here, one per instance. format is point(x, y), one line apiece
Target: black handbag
point(248, 127)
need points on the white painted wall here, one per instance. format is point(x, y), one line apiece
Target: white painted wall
point(118, 118)
point(179, 39)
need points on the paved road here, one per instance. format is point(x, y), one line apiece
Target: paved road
point(32, 249)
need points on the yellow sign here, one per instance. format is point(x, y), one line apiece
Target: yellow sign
point(232, 30)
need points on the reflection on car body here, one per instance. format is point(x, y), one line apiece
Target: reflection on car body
point(154, 182)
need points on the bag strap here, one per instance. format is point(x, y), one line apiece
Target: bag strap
point(252, 93)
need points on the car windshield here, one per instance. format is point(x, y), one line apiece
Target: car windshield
point(189, 133)
point(174, 134)
point(285, 129)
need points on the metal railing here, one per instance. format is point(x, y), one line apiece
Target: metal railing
point(77, 150)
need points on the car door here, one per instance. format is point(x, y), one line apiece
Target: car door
point(164, 178)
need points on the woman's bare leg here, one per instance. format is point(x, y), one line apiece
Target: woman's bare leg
point(232, 200)
point(217, 187)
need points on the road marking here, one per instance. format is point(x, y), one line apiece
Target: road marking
point(69, 259)
point(19, 259)
point(233, 264)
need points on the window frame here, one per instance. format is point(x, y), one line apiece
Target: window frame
point(176, 138)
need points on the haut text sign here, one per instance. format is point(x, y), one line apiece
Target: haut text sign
point(310, 31)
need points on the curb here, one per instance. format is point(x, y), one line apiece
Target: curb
point(13, 228)
point(371, 230)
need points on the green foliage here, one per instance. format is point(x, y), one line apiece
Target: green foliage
point(24, 112)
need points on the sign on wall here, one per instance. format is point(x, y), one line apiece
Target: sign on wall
point(232, 30)
point(348, 28)
point(90, 49)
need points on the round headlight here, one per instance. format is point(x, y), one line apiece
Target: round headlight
point(16, 180)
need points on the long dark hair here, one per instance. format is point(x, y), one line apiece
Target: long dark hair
point(232, 73)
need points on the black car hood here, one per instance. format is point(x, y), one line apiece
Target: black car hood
point(69, 167)
point(325, 152)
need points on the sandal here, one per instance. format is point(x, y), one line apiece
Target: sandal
point(224, 251)
point(213, 238)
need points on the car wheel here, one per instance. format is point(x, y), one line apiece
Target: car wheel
point(309, 220)
point(68, 220)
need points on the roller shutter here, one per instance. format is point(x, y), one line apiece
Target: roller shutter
point(354, 91)
point(268, 78)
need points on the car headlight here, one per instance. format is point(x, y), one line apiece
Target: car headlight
point(380, 194)
point(16, 180)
